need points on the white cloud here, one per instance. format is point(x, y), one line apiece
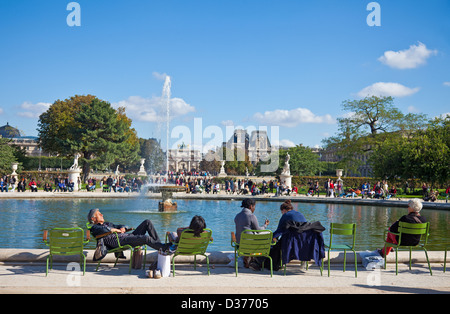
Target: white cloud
point(159, 76)
point(153, 109)
point(446, 83)
point(291, 118)
point(1, 110)
point(284, 143)
point(387, 89)
point(227, 123)
point(410, 58)
point(413, 109)
point(33, 111)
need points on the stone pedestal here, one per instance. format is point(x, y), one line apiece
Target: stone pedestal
point(14, 174)
point(222, 173)
point(74, 174)
point(167, 205)
point(142, 171)
point(287, 180)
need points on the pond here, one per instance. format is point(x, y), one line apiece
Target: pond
point(23, 221)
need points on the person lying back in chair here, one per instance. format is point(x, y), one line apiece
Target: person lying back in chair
point(145, 233)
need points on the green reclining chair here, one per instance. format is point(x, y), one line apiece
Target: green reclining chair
point(188, 244)
point(253, 243)
point(120, 248)
point(65, 242)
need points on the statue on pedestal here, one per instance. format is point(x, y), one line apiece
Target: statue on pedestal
point(285, 175)
point(287, 168)
point(75, 162)
point(142, 171)
point(74, 172)
point(222, 169)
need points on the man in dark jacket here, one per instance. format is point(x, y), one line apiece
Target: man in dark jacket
point(145, 233)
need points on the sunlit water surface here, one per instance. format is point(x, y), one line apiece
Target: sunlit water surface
point(23, 221)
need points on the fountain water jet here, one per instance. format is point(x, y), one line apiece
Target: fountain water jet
point(167, 205)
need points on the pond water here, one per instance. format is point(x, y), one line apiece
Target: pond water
point(23, 221)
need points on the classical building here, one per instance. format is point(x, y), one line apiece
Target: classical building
point(331, 154)
point(184, 159)
point(256, 145)
point(259, 147)
point(29, 143)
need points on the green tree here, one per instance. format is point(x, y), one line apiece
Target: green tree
point(155, 158)
point(369, 123)
point(89, 126)
point(303, 162)
point(54, 125)
point(424, 154)
point(7, 156)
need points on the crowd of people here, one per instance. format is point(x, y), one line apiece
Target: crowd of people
point(380, 190)
point(203, 183)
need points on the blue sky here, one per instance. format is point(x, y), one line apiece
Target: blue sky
point(246, 63)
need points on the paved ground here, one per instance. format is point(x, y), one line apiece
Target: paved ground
point(19, 276)
point(25, 278)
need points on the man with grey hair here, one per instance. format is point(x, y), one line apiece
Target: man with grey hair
point(413, 216)
point(145, 233)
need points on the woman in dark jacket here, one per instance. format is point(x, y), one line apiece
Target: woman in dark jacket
point(413, 216)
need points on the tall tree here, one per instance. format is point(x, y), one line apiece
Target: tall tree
point(155, 158)
point(7, 156)
point(55, 124)
point(91, 127)
point(424, 154)
point(369, 122)
point(303, 162)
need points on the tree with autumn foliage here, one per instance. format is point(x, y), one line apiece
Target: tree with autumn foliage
point(89, 126)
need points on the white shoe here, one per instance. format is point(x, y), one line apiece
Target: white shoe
point(303, 265)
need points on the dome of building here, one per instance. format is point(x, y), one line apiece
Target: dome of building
point(8, 131)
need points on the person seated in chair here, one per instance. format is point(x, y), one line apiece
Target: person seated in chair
point(33, 185)
point(3, 185)
point(145, 233)
point(392, 192)
point(432, 197)
point(246, 220)
point(62, 186)
point(48, 187)
point(197, 225)
point(288, 214)
point(414, 207)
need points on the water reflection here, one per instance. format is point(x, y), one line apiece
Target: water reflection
point(24, 220)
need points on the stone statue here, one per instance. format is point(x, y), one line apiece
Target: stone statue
point(142, 171)
point(75, 162)
point(287, 168)
point(222, 169)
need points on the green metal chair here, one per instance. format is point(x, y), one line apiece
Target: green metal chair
point(348, 230)
point(65, 242)
point(120, 248)
point(413, 229)
point(189, 244)
point(253, 243)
